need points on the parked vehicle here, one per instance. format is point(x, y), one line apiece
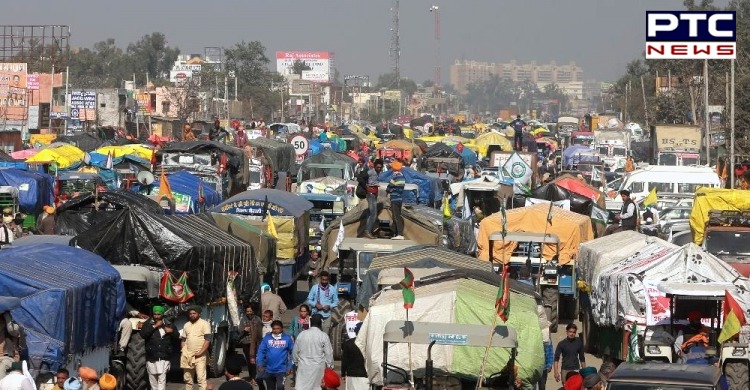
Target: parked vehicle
point(642, 376)
point(676, 145)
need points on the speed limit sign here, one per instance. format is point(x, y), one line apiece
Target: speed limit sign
point(301, 145)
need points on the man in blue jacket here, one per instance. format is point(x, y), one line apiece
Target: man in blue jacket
point(323, 298)
point(274, 357)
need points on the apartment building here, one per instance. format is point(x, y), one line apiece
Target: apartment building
point(569, 76)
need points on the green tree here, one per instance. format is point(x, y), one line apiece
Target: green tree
point(248, 61)
point(388, 81)
point(299, 66)
point(152, 56)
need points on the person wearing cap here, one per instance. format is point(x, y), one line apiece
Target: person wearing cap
point(15, 379)
point(353, 369)
point(692, 340)
point(628, 214)
point(592, 382)
point(271, 301)
point(9, 221)
point(109, 382)
point(159, 335)
point(46, 224)
point(573, 382)
point(395, 192)
point(72, 384)
point(7, 233)
point(569, 353)
point(312, 353)
point(89, 378)
point(196, 336)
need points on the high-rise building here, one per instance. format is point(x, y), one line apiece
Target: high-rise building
point(465, 72)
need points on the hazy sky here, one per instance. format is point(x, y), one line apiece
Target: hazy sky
point(600, 35)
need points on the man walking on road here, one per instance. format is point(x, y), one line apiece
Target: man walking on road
point(322, 299)
point(195, 341)
point(275, 356)
point(312, 354)
point(271, 301)
point(570, 350)
point(158, 334)
point(353, 364)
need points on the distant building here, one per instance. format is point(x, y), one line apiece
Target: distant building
point(568, 77)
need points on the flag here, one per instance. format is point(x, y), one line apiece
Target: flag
point(201, 198)
point(322, 226)
point(446, 207)
point(108, 163)
point(629, 165)
point(272, 226)
point(407, 289)
point(505, 219)
point(467, 208)
point(264, 211)
point(165, 190)
point(339, 238)
point(518, 169)
point(633, 354)
point(734, 318)
point(502, 302)
point(650, 198)
point(175, 289)
point(599, 215)
point(725, 172)
point(549, 213)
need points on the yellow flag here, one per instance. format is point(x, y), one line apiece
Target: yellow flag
point(651, 198)
point(446, 207)
point(165, 191)
point(272, 227)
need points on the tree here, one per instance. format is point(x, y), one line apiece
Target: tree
point(299, 66)
point(428, 84)
point(388, 81)
point(184, 99)
point(248, 61)
point(152, 56)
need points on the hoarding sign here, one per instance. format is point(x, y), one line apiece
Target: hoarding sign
point(315, 76)
point(32, 82)
point(13, 89)
point(319, 62)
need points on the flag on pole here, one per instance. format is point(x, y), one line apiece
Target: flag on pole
point(549, 213)
point(165, 190)
point(201, 197)
point(339, 238)
point(407, 289)
point(650, 198)
point(322, 226)
point(264, 211)
point(108, 164)
point(734, 318)
point(502, 302)
point(175, 289)
point(629, 167)
point(446, 206)
point(272, 226)
point(467, 208)
point(599, 215)
point(505, 219)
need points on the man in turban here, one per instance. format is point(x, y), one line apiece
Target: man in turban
point(159, 333)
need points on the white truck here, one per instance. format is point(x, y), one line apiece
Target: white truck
point(676, 145)
point(613, 146)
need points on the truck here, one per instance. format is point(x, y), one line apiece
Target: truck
point(566, 125)
point(676, 145)
point(613, 146)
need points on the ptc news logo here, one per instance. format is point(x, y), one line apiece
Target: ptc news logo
point(691, 35)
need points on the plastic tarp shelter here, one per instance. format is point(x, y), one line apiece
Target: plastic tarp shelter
point(85, 142)
point(572, 229)
point(24, 154)
point(431, 259)
point(279, 155)
point(577, 154)
point(237, 161)
point(621, 292)
point(71, 300)
point(573, 184)
point(483, 142)
point(35, 190)
point(184, 182)
point(5, 157)
point(78, 214)
point(458, 301)
point(178, 243)
point(403, 144)
point(64, 155)
point(442, 150)
point(707, 199)
point(264, 244)
point(468, 155)
point(429, 187)
point(327, 156)
point(253, 202)
point(140, 151)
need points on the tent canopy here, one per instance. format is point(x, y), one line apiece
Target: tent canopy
point(707, 199)
point(71, 301)
point(398, 331)
point(571, 183)
point(65, 155)
point(85, 141)
point(403, 144)
point(492, 138)
point(35, 188)
point(279, 155)
point(429, 187)
point(184, 182)
point(253, 202)
point(140, 151)
point(78, 214)
point(571, 228)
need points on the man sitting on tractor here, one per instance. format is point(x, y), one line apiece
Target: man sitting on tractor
point(692, 350)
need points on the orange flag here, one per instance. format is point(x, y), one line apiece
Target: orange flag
point(165, 191)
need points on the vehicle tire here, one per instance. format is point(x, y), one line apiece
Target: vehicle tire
point(588, 344)
point(338, 314)
point(217, 356)
point(737, 375)
point(136, 377)
point(337, 338)
point(550, 299)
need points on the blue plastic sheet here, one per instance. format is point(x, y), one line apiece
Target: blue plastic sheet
point(468, 155)
point(71, 300)
point(186, 183)
point(35, 190)
point(429, 187)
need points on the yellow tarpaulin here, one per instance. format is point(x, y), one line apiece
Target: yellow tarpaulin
point(433, 139)
point(707, 199)
point(125, 150)
point(571, 228)
point(492, 138)
point(64, 155)
point(403, 145)
point(42, 139)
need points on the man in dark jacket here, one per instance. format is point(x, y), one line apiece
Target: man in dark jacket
point(251, 332)
point(353, 364)
point(159, 335)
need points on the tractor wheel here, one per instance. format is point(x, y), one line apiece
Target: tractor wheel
point(337, 338)
point(218, 353)
point(551, 299)
point(737, 375)
point(136, 377)
point(338, 314)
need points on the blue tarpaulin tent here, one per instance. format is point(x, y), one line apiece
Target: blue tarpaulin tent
point(186, 183)
point(35, 190)
point(71, 300)
point(468, 155)
point(429, 187)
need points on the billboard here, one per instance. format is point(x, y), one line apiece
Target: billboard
point(32, 81)
point(311, 75)
point(13, 90)
point(182, 71)
point(319, 62)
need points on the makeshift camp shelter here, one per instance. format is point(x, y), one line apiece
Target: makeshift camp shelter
point(36, 189)
point(24, 154)
point(178, 243)
point(190, 189)
point(457, 301)
point(62, 154)
point(78, 214)
point(572, 229)
point(141, 151)
point(71, 301)
point(492, 138)
point(707, 199)
point(572, 183)
point(423, 225)
point(279, 155)
point(430, 190)
point(327, 156)
point(404, 145)
point(583, 198)
point(86, 142)
point(422, 260)
point(264, 244)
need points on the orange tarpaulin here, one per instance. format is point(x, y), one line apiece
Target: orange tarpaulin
point(573, 184)
point(571, 228)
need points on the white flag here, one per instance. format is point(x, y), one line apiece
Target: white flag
point(467, 211)
point(339, 238)
point(599, 215)
point(518, 169)
point(322, 225)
